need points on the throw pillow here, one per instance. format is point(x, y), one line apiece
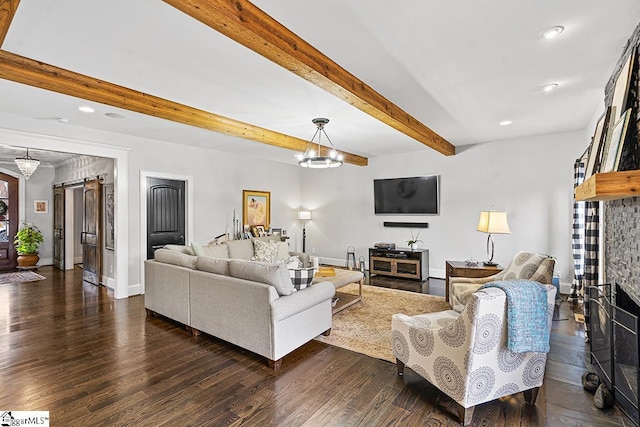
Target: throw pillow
point(265, 251)
point(293, 262)
point(175, 258)
point(197, 249)
point(270, 274)
point(301, 277)
point(283, 250)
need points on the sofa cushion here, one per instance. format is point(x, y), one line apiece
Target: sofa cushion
point(213, 265)
point(180, 248)
point(197, 249)
point(216, 251)
point(240, 249)
point(275, 275)
point(301, 277)
point(176, 258)
point(265, 251)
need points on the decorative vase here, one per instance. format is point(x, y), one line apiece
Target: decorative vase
point(28, 260)
point(413, 246)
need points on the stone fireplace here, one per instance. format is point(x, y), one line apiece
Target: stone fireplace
point(615, 306)
point(615, 344)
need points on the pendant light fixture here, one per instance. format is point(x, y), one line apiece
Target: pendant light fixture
point(312, 158)
point(27, 165)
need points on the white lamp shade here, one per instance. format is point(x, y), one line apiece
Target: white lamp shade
point(304, 215)
point(493, 222)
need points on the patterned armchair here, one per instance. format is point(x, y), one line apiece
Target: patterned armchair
point(465, 355)
point(525, 265)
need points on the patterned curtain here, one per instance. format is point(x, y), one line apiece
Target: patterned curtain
point(578, 236)
point(586, 245)
point(591, 261)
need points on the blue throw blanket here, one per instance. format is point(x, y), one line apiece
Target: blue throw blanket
point(527, 327)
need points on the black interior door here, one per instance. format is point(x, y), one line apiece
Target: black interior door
point(165, 213)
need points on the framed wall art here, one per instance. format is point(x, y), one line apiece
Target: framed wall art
point(596, 148)
point(621, 88)
point(616, 142)
point(256, 208)
point(41, 206)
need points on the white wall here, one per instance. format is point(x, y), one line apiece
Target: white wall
point(531, 178)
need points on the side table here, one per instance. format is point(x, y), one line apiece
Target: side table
point(461, 269)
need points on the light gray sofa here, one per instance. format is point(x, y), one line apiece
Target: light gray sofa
point(240, 301)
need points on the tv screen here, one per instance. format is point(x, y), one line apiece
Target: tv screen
point(418, 195)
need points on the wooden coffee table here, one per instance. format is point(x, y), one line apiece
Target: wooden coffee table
point(339, 279)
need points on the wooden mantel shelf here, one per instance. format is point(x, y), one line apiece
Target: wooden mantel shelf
point(609, 186)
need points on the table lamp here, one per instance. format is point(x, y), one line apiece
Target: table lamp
point(492, 222)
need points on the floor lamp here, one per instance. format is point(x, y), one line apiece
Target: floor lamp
point(492, 222)
point(304, 216)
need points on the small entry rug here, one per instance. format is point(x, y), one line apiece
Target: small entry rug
point(21, 276)
point(365, 327)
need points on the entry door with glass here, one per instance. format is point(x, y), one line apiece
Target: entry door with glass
point(8, 221)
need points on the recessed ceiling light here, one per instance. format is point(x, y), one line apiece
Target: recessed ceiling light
point(552, 32)
point(505, 122)
point(86, 109)
point(550, 87)
point(63, 120)
point(114, 115)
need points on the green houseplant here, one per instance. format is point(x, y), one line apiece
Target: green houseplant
point(27, 242)
point(413, 243)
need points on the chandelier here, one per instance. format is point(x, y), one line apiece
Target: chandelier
point(27, 165)
point(314, 159)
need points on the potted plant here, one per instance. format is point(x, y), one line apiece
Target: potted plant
point(26, 242)
point(413, 243)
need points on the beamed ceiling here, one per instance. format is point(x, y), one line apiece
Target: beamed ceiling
point(391, 76)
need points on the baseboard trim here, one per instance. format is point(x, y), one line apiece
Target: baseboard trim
point(437, 273)
point(337, 262)
point(135, 289)
point(108, 282)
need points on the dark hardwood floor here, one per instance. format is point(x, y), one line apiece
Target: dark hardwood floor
point(71, 349)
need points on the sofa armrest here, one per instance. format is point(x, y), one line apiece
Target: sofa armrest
point(287, 306)
point(303, 257)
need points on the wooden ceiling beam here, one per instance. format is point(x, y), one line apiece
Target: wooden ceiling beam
point(44, 76)
point(7, 12)
point(248, 25)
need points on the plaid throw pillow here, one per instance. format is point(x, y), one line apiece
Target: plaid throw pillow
point(301, 277)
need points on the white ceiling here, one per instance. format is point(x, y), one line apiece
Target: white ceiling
point(460, 67)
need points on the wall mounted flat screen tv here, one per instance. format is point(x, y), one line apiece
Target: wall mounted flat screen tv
point(417, 195)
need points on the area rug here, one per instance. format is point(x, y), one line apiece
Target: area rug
point(365, 327)
point(21, 276)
